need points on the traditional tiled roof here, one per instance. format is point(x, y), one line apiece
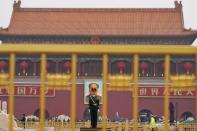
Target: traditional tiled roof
point(110, 22)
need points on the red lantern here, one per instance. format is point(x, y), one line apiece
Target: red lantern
point(188, 66)
point(23, 66)
point(67, 65)
point(121, 66)
point(162, 65)
point(48, 65)
point(3, 65)
point(95, 40)
point(143, 66)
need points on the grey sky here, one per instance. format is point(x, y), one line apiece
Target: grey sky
point(189, 7)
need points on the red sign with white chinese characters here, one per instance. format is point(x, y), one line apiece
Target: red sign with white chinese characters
point(160, 92)
point(154, 91)
point(27, 91)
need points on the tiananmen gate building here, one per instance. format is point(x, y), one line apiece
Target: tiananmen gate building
point(140, 26)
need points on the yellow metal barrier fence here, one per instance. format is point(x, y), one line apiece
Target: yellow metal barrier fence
point(105, 50)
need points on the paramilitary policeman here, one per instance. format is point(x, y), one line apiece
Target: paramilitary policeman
point(93, 103)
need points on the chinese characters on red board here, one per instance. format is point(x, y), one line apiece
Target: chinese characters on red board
point(31, 91)
point(143, 92)
point(160, 92)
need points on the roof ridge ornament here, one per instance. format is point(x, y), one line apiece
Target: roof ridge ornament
point(178, 4)
point(17, 4)
point(3, 29)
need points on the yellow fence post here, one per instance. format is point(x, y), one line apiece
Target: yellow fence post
point(196, 92)
point(119, 126)
point(181, 128)
point(127, 125)
point(135, 92)
point(42, 92)
point(166, 97)
point(73, 91)
point(104, 100)
point(11, 91)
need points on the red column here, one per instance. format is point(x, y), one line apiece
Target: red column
point(78, 68)
point(154, 69)
point(56, 66)
point(132, 68)
point(177, 67)
point(34, 68)
point(109, 67)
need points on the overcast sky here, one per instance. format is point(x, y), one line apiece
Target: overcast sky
point(189, 7)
